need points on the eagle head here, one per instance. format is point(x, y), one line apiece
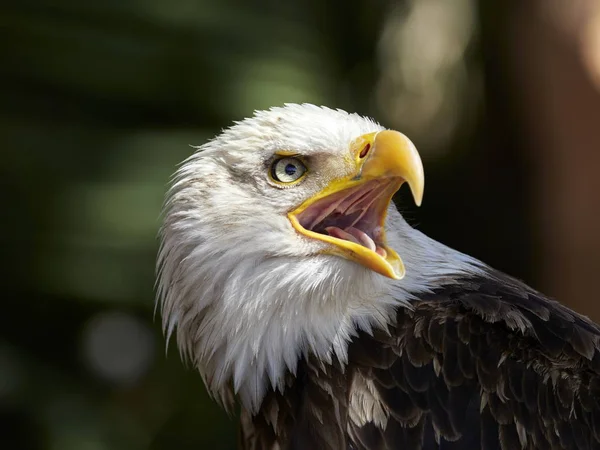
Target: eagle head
point(279, 240)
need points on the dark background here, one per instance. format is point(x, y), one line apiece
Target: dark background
point(101, 99)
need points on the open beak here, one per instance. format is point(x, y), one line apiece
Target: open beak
point(350, 212)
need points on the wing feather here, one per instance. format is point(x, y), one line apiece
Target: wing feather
point(488, 364)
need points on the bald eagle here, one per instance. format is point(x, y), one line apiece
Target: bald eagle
point(295, 287)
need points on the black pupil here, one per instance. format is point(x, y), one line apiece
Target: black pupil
point(290, 169)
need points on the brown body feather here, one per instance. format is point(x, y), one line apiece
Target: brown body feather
point(482, 363)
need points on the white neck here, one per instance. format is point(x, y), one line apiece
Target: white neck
point(245, 320)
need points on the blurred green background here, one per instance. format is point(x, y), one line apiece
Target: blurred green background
point(101, 100)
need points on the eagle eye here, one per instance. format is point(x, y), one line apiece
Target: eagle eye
point(287, 170)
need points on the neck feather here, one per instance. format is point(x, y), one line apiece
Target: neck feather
point(245, 320)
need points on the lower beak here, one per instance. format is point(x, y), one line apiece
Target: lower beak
point(349, 214)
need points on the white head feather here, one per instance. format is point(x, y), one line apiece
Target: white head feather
point(245, 294)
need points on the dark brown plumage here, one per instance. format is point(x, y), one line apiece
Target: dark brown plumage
point(482, 363)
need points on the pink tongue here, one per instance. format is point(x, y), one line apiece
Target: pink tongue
point(357, 236)
point(362, 237)
point(341, 234)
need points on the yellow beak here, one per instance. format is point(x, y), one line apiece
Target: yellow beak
point(350, 212)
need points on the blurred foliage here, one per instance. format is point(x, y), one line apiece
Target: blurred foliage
point(100, 101)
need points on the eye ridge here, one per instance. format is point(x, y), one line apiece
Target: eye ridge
point(287, 170)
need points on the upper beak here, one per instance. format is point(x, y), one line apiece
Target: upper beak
point(392, 155)
point(356, 205)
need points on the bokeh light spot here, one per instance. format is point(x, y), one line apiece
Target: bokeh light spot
point(118, 347)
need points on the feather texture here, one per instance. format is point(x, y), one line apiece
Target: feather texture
point(500, 385)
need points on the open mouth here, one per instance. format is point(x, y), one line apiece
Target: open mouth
point(355, 215)
point(352, 219)
point(349, 213)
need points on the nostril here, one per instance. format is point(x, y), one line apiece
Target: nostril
point(364, 151)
